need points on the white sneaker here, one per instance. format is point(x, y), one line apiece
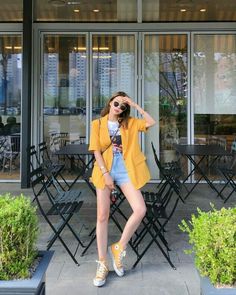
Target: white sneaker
point(101, 274)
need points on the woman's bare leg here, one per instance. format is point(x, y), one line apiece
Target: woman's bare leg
point(135, 199)
point(103, 210)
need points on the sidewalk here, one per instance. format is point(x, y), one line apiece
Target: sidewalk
point(152, 276)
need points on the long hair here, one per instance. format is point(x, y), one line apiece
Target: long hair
point(124, 116)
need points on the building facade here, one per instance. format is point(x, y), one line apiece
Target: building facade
point(61, 60)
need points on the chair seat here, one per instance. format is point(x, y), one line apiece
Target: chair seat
point(65, 208)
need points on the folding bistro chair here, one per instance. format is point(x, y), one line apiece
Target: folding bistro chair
point(63, 204)
point(160, 209)
point(11, 151)
point(36, 162)
point(50, 167)
point(34, 159)
point(228, 170)
point(169, 173)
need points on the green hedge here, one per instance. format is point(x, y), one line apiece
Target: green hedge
point(213, 236)
point(18, 236)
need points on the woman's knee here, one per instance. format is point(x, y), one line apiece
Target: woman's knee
point(140, 212)
point(102, 217)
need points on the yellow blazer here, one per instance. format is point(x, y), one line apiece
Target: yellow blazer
point(133, 157)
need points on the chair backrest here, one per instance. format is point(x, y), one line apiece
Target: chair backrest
point(40, 185)
point(57, 140)
point(37, 183)
point(15, 143)
point(44, 156)
point(156, 158)
point(216, 140)
point(12, 145)
point(34, 159)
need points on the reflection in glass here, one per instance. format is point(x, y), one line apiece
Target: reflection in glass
point(113, 68)
point(10, 105)
point(165, 93)
point(11, 11)
point(214, 90)
point(188, 11)
point(65, 72)
point(86, 11)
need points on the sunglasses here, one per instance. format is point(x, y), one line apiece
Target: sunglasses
point(122, 106)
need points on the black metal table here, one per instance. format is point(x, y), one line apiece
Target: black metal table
point(80, 151)
point(212, 152)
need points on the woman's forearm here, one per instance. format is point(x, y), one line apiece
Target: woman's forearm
point(148, 118)
point(100, 162)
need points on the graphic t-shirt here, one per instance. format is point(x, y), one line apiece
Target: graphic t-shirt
point(115, 136)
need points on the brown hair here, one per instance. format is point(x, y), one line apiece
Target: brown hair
point(124, 116)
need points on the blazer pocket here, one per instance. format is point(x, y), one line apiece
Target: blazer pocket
point(139, 159)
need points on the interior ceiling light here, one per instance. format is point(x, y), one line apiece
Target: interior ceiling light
point(73, 2)
point(203, 10)
point(183, 10)
point(95, 10)
point(57, 3)
point(76, 10)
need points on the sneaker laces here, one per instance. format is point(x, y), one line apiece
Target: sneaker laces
point(101, 270)
point(121, 255)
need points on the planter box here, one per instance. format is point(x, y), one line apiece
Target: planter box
point(33, 286)
point(208, 289)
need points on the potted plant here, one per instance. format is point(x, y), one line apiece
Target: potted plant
point(22, 266)
point(213, 237)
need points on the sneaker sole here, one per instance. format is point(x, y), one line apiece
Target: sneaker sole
point(118, 272)
point(99, 284)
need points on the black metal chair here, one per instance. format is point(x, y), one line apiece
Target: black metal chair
point(160, 208)
point(170, 173)
point(63, 204)
point(50, 167)
point(11, 151)
point(228, 170)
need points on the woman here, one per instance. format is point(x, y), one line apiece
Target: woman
point(119, 160)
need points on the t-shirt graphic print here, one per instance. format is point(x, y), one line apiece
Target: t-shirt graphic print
point(114, 132)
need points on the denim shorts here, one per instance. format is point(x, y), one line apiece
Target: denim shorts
point(118, 171)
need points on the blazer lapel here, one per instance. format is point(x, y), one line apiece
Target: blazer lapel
point(124, 138)
point(104, 131)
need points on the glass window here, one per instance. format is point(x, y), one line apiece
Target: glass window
point(165, 94)
point(188, 11)
point(113, 68)
point(10, 105)
point(214, 90)
point(86, 11)
point(11, 11)
point(64, 88)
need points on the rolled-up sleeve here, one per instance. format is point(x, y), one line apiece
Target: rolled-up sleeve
point(94, 142)
point(141, 125)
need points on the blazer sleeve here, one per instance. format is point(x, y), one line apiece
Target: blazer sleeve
point(141, 125)
point(94, 142)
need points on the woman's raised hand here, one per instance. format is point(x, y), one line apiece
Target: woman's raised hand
point(129, 101)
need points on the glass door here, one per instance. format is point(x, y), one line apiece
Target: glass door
point(165, 93)
point(64, 88)
point(113, 68)
point(214, 91)
point(10, 105)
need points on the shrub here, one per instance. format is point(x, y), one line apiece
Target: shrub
point(18, 236)
point(213, 236)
